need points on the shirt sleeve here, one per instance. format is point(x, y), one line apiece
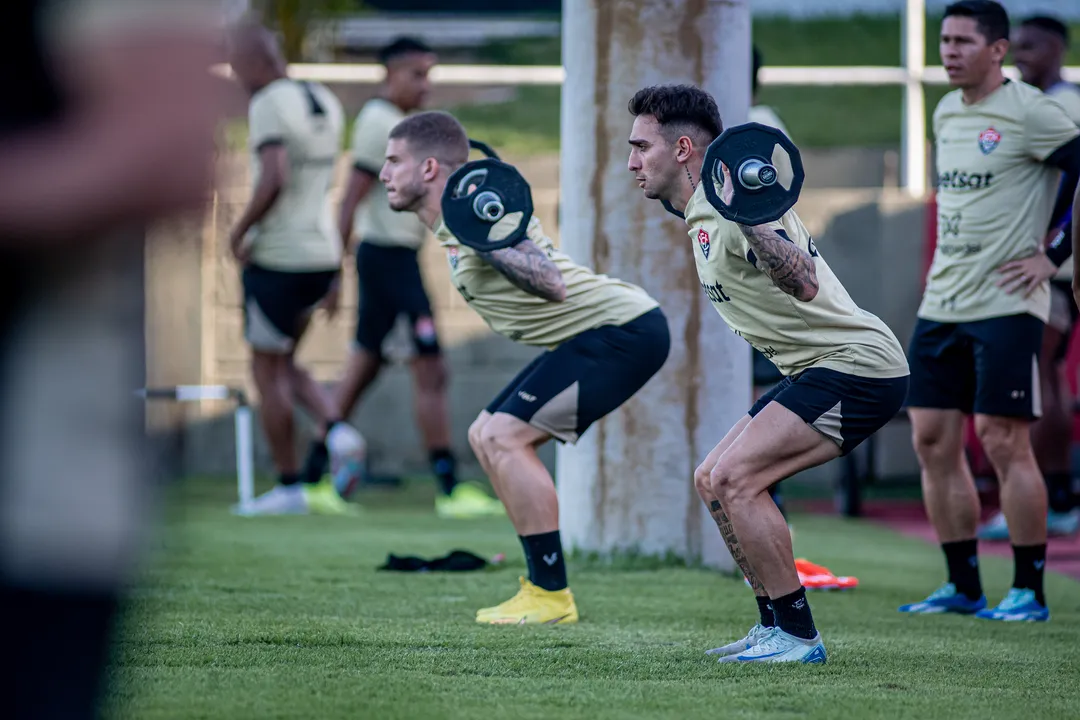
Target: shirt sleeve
point(265, 123)
point(1047, 128)
point(368, 144)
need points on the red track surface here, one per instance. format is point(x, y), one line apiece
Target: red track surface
point(908, 518)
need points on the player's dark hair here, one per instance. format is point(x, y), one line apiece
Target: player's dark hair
point(434, 134)
point(990, 17)
point(1048, 24)
point(679, 109)
point(756, 58)
point(402, 46)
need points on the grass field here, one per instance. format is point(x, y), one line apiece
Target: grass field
point(288, 618)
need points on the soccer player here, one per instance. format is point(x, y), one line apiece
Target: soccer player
point(1038, 48)
point(845, 375)
point(107, 125)
point(390, 281)
point(1001, 147)
point(290, 255)
point(603, 340)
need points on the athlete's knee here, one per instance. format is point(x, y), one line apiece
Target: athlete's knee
point(1005, 440)
point(730, 481)
point(702, 483)
point(430, 374)
point(476, 434)
point(934, 443)
point(504, 435)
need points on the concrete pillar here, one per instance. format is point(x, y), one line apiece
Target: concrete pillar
point(627, 487)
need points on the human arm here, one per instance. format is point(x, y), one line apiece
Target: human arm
point(1076, 242)
point(1027, 274)
point(790, 267)
point(273, 174)
point(361, 180)
point(528, 268)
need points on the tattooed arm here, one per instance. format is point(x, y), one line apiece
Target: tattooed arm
point(790, 267)
point(529, 268)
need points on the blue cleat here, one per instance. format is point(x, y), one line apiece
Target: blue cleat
point(945, 600)
point(1018, 606)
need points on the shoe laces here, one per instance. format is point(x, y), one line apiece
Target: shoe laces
point(772, 641)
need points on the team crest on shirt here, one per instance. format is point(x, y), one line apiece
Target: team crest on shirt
point(452, 256)
point(989, 139)
point(704, 242)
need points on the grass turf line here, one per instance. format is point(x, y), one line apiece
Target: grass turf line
point(287, 617)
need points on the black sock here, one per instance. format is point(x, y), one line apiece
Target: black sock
point(1030, 566)
point(317, 463)
point(1059, 489)
point(793, 615)
point(764, 606)
point(543, 553)
point(444, 467)
point(962, 558)
point(288, 479)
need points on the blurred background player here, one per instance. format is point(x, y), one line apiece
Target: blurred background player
point(1038, 49)
point(290, 254)
point(107, 125)
point(390, 281)
point(604, 340)
point(1000, 148)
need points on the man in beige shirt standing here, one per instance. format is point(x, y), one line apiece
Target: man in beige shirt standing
point(390, 282)
point(1038, 49)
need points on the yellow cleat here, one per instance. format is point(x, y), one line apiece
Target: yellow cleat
point(323, 499)
point(532, 605)
point(468, 500)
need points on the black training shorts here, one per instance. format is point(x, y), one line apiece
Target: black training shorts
point(847, 409)
point(279, 304)
point(989, 367)
point(390, 285)
point(565, 390)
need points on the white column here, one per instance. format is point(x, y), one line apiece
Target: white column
point(913, 142)
point(628, 484)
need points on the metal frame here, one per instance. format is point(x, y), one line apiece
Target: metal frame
point(245, 447)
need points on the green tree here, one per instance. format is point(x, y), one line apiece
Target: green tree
point(292, 18)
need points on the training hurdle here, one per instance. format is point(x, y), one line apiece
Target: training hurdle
point(245, 448)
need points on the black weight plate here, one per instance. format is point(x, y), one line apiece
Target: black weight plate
point(493, 176)
point(735, 146)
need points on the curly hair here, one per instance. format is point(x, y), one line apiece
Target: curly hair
point(680, 110)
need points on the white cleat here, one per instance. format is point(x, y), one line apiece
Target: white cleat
point(282, 500)
point(752, 638)
point(779, 646)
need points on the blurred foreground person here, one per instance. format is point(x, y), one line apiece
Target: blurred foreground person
point(108, 125)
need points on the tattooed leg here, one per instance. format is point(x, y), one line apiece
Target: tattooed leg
point(704, 489)
point(732, 542)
